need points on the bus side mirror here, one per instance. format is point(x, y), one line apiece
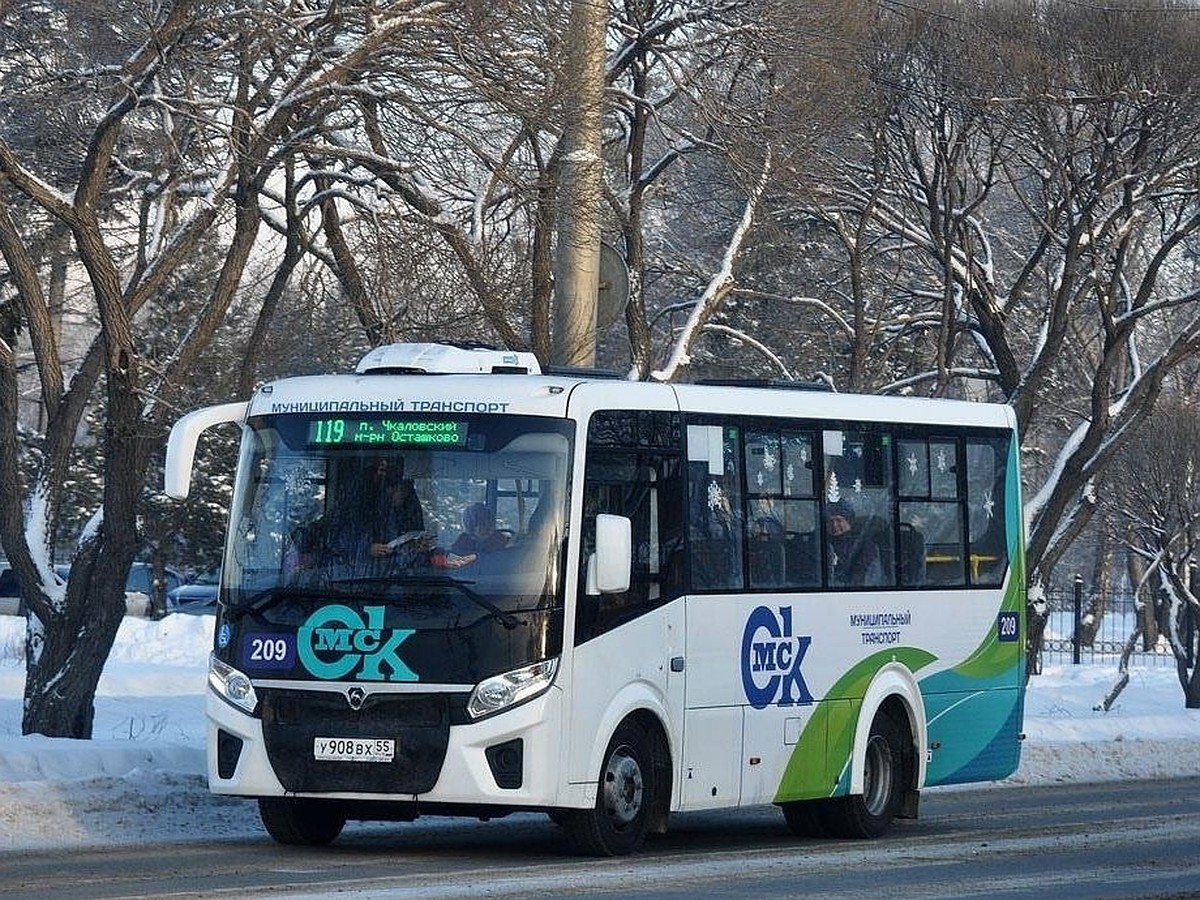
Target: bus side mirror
point(609, 567)
point(181, 445)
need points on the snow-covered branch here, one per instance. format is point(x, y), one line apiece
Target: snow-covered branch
point(718, 286)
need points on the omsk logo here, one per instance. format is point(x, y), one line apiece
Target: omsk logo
point(335, 641)
point(771, 659)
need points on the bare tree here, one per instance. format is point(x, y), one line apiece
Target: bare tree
point(178, 123)
point(1157, 507)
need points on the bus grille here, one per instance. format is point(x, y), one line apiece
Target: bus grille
point(419, 724)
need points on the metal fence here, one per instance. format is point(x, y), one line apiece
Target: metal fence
point(1118, 620)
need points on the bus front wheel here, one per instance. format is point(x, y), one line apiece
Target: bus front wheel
point(294, 820)
point(870, 814)
point(617, 824)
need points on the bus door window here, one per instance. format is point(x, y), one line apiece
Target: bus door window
point(624, 477)
point(715, 516)
point(859, 509)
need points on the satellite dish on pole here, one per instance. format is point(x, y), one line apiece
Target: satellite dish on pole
point(613, 292)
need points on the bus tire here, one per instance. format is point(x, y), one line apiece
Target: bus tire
point(625, 794)
point(806, 818)
point(292, 820)
point(870, 814)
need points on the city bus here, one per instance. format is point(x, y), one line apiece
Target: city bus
point(695, 596)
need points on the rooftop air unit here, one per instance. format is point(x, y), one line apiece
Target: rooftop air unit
point(446, 359)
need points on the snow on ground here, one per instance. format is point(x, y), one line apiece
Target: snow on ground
point(142, 776)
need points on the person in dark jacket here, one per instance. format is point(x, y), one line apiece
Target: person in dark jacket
point(479, 532)
point(854, 546)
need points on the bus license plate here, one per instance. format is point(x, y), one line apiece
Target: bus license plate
point(354, 749)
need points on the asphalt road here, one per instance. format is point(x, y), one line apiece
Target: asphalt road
point(1132, 839)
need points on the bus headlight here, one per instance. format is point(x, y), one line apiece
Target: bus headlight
point(231, 685)
point(502, 691)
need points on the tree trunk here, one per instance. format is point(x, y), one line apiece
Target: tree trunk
point(1191, 690)
point(1102, 581)
point(1037, 611)
point(577, 254)
point(66, 655)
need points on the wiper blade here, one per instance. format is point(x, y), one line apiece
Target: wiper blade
point(268, 597)
point(508, 620)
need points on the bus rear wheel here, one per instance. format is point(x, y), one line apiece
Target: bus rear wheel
point(625, 795)
point(870, 814)
point(806, 818)
point(294, 820)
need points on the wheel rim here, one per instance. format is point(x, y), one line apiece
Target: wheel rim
point(623, 787)
point(877, 776)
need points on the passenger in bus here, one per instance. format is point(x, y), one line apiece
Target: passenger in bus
point(766, 552)
point(379, 522)
point(479, 532)
point(853, 544)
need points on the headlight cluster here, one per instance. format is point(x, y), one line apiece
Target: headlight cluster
point(231, 685)
point(502, 691)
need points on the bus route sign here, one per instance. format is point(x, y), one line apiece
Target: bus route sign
point(421, 432)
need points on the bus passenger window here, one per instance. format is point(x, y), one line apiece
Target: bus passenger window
point(931, 533)
point(937, 528)
point(859, 511)
point(715, 516)
point(986, 507)
point(781, 508)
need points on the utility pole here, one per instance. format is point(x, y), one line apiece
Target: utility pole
point(577, 259)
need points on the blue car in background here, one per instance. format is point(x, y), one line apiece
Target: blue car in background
point(139, 588)
point(196, 596)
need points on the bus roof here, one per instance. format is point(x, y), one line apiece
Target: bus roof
point(575, 397)
point(448, 379)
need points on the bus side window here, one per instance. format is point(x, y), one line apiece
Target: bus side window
point(930, 512)
point(986, 507)
point(782, 550)
point(715, 531)
point(860, 489)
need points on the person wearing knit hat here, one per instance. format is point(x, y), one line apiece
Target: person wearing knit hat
point(853, 546)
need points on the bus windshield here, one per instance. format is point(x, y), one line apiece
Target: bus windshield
point(434, 524)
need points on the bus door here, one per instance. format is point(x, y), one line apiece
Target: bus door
point(710, 770)
point(629, 645)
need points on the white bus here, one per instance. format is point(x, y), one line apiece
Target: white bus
point(668, 616)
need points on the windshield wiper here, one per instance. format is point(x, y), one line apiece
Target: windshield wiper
point(268, 597)
point(508, 620)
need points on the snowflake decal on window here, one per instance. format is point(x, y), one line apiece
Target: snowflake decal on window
point(298, 482)
point(759, 479)
point(989, 505)
point(716, 497)
point(769, 460)
point(912, 464)
point(942, 462)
